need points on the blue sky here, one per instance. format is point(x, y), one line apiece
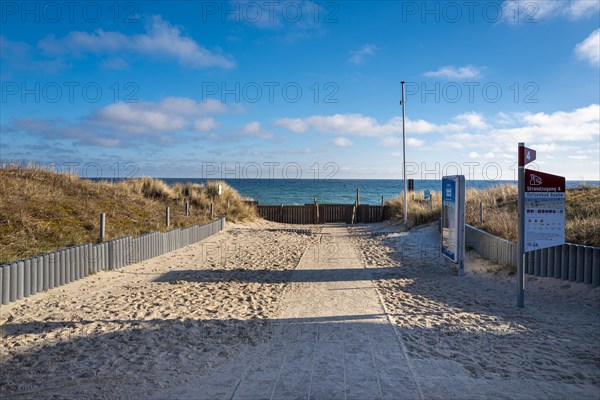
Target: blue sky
point(282, 88)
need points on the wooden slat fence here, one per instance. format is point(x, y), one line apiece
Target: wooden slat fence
point(322, 213)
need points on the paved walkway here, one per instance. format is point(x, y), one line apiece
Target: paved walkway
point(332, 339)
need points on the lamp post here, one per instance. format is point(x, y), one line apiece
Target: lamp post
point(404, 157)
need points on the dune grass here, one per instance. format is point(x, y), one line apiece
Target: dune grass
point(500, 211)
point(42, 211)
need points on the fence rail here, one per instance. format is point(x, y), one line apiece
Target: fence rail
point(24, 278)
point(322, 213)
point(569, 262)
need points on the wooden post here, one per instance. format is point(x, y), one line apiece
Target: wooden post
point(102, 226)
point(357, 197)
point(382, 206)
point(167, 217)
point(186, 207)
point(316, 212)
point(212, 215)
point(354, 212)
point(481, 212)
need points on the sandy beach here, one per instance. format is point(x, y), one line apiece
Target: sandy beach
point(470, 325)
point(158, 326)
point(127, 333)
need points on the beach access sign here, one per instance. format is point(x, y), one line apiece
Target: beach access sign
point(453, 218)
point(544, 210)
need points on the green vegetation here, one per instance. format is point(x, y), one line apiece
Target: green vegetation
point(42, 211)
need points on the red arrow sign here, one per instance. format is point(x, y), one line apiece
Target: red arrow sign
point(526, 155)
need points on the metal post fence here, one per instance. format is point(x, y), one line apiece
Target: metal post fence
point(28, 277)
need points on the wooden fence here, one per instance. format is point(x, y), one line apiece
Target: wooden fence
point(323, 213)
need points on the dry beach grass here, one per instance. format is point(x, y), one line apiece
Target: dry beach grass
point(500, 211)
point(41, 210)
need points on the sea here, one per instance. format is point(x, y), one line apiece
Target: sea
point(303, 191)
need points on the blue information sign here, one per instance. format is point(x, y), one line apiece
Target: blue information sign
point(453, 219)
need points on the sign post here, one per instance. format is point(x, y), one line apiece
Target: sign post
point(544, 210)
point(541, 213)
point(453, 220)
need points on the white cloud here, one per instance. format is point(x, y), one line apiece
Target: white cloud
point(115, 63)
point(119, 124)
point(255, 129)
point(589, 49)
point(205, 124)
point(21, 56)
point(452, 72)
point(532, 11)
point(365, 126)
point(472, 120)
point(291, 19)
point(161, 40)
point(359, 55)
point(342, 142)
point(392, 141)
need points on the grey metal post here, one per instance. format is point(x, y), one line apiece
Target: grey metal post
point(536, 262)
point(75, 263)
point(111, 255)
point(20, 279)
point(102, 226)
point(580, 263)
point(101, 258)
point(27, 277)
point(572, 263)
point(557, 261)
point(550, 262)
point(404, 158)
point(34, 276)
point(67, 265)
point(587, 275)
point(89, 259)
point(521, 234)
point(2, 291)
point(13, 282)
point(50, 264)
point(564, 262)
point(544, 262)
point(167, 219)
point(119, 253)
point(40, 274)
point(596, 267)
point(5, 284)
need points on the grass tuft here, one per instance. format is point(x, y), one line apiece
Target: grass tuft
point(500, 211)
point(41, 210)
